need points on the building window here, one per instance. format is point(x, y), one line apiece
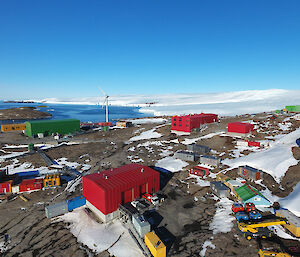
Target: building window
point(180, 119)
point(174, 119)
point(174, 124)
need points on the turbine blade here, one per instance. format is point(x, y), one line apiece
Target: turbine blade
point(103, 92)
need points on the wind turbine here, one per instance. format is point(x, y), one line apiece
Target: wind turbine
point(105, 102)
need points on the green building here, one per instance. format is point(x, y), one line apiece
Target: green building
point(47, 127)
point(249, 194)
point(293, 108)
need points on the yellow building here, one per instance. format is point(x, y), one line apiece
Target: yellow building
point(52, 180)
point(222, 177)
point(124, 124)
point(12, 127)
point(293, 220)
point(155, 245)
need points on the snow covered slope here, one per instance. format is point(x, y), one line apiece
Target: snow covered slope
point(223, 103)
point(275, 160)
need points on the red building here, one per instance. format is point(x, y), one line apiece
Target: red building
point(188, 122)
point(106, 190)
point(240, 128)
point(199, 171)
point(31, 185)
point(253, 143)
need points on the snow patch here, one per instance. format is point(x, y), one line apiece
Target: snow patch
point(146, 135)
point(222, 221)
point(101, 237)
point(275, 160)
point(171, 163)
point(206, 244)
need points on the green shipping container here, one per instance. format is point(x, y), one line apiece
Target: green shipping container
point(47, 127)
point(293, 108)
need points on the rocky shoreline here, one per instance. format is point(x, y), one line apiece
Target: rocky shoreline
point(23, 113)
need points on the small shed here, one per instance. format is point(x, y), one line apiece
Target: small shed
point(31, 185)
point(250, 173)
point(12, 127)
point(198, 149)
point(240, 128)
point(199, 171)
point(186, 156)
point(219, 189)
point(124, 124)
point(253, 143)
point(293, 220)
point(141, 225)
point(249, 194)
point(210, 160)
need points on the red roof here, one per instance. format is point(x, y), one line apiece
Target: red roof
point(109, 188)
point(117, 177)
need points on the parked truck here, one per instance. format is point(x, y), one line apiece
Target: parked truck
point(259, 229)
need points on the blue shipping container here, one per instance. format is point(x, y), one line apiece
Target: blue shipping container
point(76, 202)
point(33, 173)
point(66, 178)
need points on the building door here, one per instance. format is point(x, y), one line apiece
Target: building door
point(126, 196)
point(143, 189)
point(257, 175)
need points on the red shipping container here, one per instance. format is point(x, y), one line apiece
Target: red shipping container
point(5, 187)
point(199, 171)
point(252, 143)
point(108, 189)
point(30, 185)
point(188, 122)
point(240, 127)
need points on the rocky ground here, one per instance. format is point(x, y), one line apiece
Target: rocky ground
point(186, 219)
point(23, 113)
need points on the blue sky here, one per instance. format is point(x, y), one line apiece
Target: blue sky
point(69, 48)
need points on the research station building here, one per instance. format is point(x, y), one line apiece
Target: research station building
point(192, 121)
point(106, 190)
point(47, 127)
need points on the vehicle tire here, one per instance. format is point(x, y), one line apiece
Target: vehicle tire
point(248, 237)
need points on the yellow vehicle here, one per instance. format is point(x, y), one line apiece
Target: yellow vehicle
point(52, 180)
point(267, 253)
point(259, 229)
point(155, 245)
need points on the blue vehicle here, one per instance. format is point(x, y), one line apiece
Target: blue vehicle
point(254, 215)
point(241, 216)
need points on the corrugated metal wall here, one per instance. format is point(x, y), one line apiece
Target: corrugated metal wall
point(119, 191)
point(52, 126)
